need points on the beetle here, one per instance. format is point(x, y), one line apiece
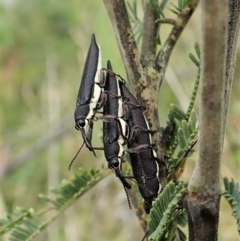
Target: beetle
point(115, 129)
point(89, 95)
point(143, 157)
point(93, 93)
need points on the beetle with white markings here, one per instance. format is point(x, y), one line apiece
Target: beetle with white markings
point(89, 96)
point(144, 159)
point(115, 129)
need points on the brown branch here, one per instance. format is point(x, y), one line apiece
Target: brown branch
point(140, 80)
point(149, 40)
point(232, 40)
point(118, 15)
point(203, 199)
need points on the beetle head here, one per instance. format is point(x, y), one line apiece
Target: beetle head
point(81, 123)
point(113, 163)
point(86, 131)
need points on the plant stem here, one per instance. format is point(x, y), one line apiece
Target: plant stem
point(204, 189)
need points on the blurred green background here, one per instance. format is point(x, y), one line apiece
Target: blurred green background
point(43, 45)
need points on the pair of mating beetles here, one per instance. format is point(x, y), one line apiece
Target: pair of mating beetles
point(123, 124)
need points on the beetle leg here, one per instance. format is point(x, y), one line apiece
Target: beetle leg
point(122, 178)
point(114, 74)
point(102, 101)
point(139, 148)
point(134, 131)
point(143, 108)
point(106, 118)
point(116, 96)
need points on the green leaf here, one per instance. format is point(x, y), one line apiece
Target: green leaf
point(27, 224)
point(193, 120)
point(194, 60)
point(135, 21)
point(232, 194)
point(176, 10)
point(181, 235)
point(182, 219)
point(29, 227)
point(163, 4)
point(176, 164)
point(157, 8)
point(185, 129)
point(181, 139)
point(11, 220)
point(194, 93)
point(163, 215)
point(135, 7)
point(197, 50)
point(159, 206)
point(182, 4)
point(70, 190)
point(131, 8)
point(177, 113)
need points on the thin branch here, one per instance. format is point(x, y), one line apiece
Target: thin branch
point(232, 40)
point(149, 34)
point(164, 54)
point(166, 21)
point(211, 109)
point(203, 199)
point(118, 15)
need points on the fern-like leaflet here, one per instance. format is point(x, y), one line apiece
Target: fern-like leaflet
point(165, 213)
point(24, 224)
point(185, 131)
point(232, 194)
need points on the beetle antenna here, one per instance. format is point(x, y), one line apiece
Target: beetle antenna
point(140, 185)
point(145, 236)
point(113, 73)
point(74, 158)
point(128, 198)
point(133, 180)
